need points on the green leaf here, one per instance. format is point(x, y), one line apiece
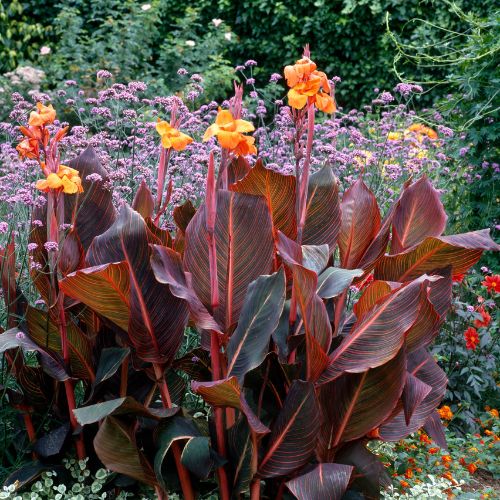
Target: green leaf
point(333, 281)
point(121, 406)
point(259, 317)
point(109, 362)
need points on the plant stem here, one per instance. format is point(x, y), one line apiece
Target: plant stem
point(255, 485)
point(184, 478)
point(124, 377)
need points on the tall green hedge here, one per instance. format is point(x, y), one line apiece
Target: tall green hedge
point(347, 37)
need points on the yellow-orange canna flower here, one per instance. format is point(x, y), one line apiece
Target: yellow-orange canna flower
point(171, 137)
point(66, 180)
point(308, 85)
point(44, 116)
point(229, 132)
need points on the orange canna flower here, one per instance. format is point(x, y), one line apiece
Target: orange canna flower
point(28, 148)
point(299, 71)
point(492, 283)
point(44, 116)
point(471, 338)
point(171, 137)
point(66, 180)
point(307, 85)
point(229, 132)
point(421, 130)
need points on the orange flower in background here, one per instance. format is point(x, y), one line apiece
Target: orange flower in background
point(433, 451)
point(229, 132)
point(424, 438)
point(492, 283)
point(171, 137)
point(307, 85)
point(471, 338)
point(66, 180)
point(404, 484)
point(28, 148)
point(422, 131)
point(485, 318)
point(45, 115)
point(472, 468)
point(446, 459)
point(494, 413)
point(445, 413)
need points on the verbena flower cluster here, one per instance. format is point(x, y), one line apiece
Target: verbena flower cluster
point(119, 122)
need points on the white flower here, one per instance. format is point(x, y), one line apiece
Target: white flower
point(190, 43)
point(228, 36)
point(45, 50)
point(217, 22)
point(146, 6)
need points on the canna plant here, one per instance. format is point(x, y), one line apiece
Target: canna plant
point(312, 314)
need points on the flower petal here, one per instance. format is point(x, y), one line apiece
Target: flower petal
point(296, 100)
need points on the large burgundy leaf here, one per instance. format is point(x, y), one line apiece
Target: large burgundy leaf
point(105, 289)
point(244, 249)
point(323, 218)
point(91, 212)
point(313, 311)
point(379, 334)
point(167, 266)
point(371, 294)
point(45, 333)
point(418, 214)
point(414, 392)
point(369, 475)
point(356, 403)
point(324, 482)
point(294, 433)
point(360, 224)
point(279, 192)
point(421, 365)
point(143, 201)
point(227, 393)
point(157, 317)
point(117, 449)
point(237, 169)
point(259, 317)
point(51, 362)
point(461, 251)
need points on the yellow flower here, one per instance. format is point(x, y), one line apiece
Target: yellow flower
point(394, 136)
point(66, 180)
point(229, 132)
point(171, 137)
point(44, 116)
